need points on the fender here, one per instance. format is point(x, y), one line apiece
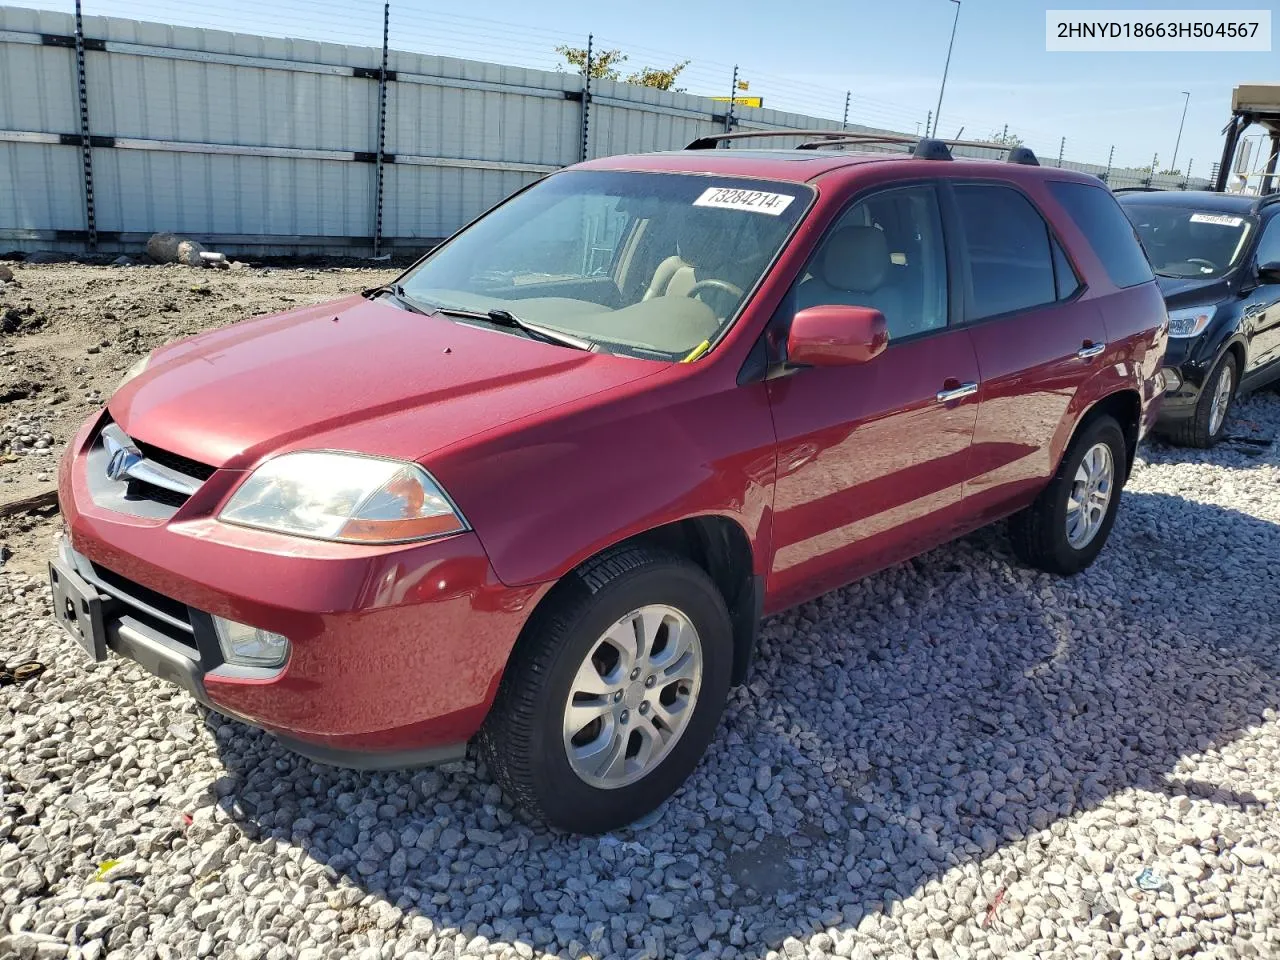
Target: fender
point(545, 496)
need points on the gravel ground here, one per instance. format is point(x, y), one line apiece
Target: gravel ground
point(954, 758)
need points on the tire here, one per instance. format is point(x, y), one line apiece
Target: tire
point(525, 740)
point(1040, 535)
point(1198, 430)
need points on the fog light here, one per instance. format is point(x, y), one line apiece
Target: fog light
point(1172, 380)
point(249, 646)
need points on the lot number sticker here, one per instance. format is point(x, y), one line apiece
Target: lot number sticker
point(1220, 219)
point(729, 198)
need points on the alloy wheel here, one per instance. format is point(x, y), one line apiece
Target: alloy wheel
point(1090, 495)
point(632, 696)
point(1221, 399)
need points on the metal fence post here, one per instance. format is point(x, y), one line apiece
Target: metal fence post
point(1110, 156)
point(844, 124)
point(1186, 180)
point(586, 97)
point(86, 145)
point(733, 96)
point(928, 123)
point(1062, 149)
point(382, 132)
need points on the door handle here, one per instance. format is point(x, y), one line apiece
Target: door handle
point(957, 393)
point(1090, 350)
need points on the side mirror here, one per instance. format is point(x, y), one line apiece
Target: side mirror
point(836, 336)
point(1269, 272)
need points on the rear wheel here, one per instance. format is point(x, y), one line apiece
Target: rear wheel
point(1204, 428)
point(610, 700)
point(1066, 527)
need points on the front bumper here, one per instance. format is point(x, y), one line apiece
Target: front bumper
point(1186, 372)
point(395, 652)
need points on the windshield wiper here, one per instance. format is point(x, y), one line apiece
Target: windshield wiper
point(505, 318)
point(396, 290)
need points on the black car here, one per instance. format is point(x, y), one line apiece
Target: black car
point(1217, 259)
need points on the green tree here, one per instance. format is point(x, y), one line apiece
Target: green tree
point(659, 78)
point(605, 66)
point(1005, 138)
point(604, 63)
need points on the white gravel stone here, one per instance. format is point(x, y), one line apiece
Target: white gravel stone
point(957, 757)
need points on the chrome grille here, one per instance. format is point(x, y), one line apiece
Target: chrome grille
point(138, 478)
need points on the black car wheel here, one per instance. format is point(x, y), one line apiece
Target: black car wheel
point(1204, 427)
point(613, 695)
point(1066, 527)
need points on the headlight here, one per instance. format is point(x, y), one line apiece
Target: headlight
point(134, 370)
point(1190, 322)
point(344, 496)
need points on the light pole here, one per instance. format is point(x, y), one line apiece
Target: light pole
point(1173, 164)
point(937, 114)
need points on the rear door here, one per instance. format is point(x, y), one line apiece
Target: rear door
point(872, 458)
point(1037, 342)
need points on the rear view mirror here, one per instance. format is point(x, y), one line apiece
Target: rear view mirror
point(836, 336)
point(1269, 272)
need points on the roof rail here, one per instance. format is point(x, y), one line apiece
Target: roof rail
point(927, 147)
point(713, 140)
point(1023, 155)
point(924, 148)
point(1138, 190)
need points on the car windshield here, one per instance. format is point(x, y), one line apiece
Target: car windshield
point(646, 264)
point(1187, 242)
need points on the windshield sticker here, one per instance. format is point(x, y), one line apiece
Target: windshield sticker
point(1220, 219)
point(729, 198)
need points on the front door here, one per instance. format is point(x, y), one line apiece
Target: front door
point(872, 458)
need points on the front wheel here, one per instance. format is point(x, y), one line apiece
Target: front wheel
point(614, 693)
point(1204, 427)
point(1064, 530)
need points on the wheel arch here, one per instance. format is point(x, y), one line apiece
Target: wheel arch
point(716, 543)
point(1125, 406)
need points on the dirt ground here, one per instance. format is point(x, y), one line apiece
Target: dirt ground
point(68, 332)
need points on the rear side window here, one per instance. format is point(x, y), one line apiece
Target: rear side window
point(1099, 217)
point(1011, 261)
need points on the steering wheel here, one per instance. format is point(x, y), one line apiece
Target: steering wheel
point(711, 283)
point(1203, 262)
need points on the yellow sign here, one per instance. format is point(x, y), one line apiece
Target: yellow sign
point(742, 101)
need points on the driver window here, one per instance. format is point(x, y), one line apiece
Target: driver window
point(885, 252)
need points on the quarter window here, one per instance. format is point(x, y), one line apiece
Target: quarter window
point(885, 252)
point(1099, 217)
point(1011, 262)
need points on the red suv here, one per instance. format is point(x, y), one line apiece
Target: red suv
point(538, 492)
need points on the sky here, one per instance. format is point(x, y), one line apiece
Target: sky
point(888, 54)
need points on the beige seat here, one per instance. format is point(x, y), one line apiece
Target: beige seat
point(673, 278)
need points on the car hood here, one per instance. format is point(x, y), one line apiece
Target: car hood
point(1192, 291)
point(353, 374)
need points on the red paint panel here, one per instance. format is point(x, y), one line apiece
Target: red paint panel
point(870, 464)
point(1031, 378)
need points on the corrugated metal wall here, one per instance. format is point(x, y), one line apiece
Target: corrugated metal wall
point(262, 144)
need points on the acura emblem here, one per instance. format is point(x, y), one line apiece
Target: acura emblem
point(122, 455)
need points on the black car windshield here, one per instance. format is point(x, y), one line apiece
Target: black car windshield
point(1187, 242)
point(647, 264)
